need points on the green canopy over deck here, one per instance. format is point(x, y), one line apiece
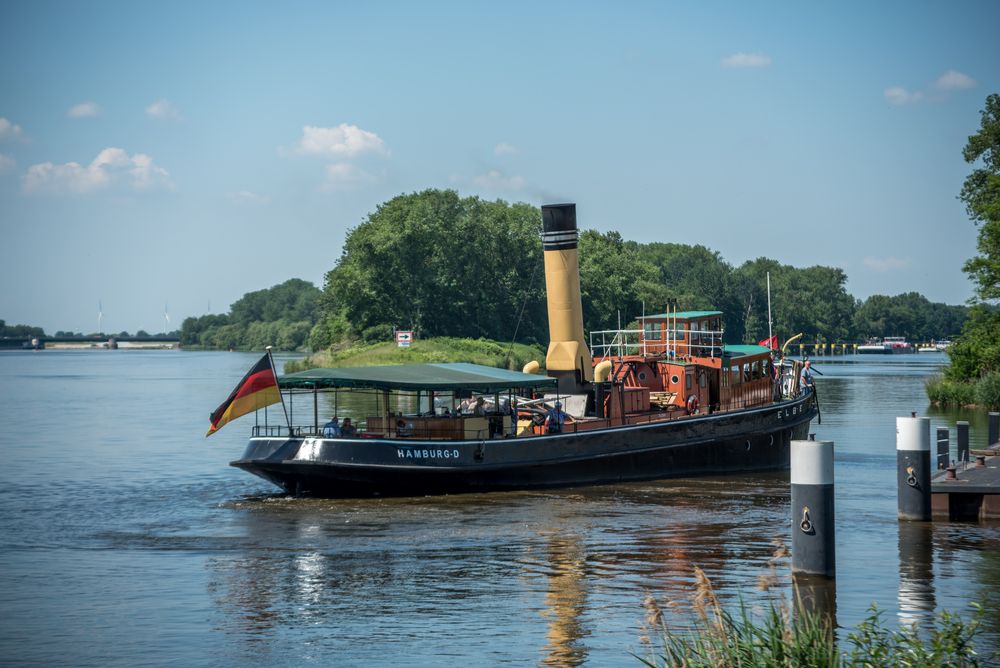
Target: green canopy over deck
point(733, 351)
point(413, 377)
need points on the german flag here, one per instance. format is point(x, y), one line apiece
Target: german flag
point(258, 388)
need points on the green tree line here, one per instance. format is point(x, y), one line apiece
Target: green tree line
point(19, 331)
point(444, 265)
point(282, 316)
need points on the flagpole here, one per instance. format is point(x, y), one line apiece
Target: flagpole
point(270, 358)
point(769, 335)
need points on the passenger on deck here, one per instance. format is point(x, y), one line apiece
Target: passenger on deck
point(332, 428)
point(404, 428)
point(348, 430)
point(479, 410)
point(555, 419)
point(806, 378)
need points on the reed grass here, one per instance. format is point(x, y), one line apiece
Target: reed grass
point(714, 637)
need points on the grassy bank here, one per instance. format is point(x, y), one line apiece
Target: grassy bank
point(983, 393)
point(426, 351)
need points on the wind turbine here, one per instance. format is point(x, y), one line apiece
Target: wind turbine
point(166, 319)
point(100, 316)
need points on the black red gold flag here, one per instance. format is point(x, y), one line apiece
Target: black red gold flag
point(258, 388)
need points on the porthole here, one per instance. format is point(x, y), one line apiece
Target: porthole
point(770, 439)
point(642, 375)
point(674, 379)
point(748, 446)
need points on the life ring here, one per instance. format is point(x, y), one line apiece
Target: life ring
point(692, 405)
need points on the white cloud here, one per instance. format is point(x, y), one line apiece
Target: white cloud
point(248, 197)
point(83, 110)
point(495, 180)
point(746, 60)
point(899, 96)
point(111, 166)
point(345, 176)
point(884, 264)
point(343, 141)
point(504, 149)
point(164, 110)
point(7, 163)
point(954, 80)
point(9, 131)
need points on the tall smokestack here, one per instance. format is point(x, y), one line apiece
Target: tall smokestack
point(568, 357)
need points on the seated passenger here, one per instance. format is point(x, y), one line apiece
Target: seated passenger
point(404, 428)
point(332, 428)
point(348, 430)
point(479, 410)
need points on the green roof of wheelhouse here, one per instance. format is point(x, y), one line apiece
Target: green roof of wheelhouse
point(413, 377)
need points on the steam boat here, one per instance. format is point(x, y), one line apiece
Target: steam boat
point(669, 399)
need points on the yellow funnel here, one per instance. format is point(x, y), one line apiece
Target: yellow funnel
point(568, 357)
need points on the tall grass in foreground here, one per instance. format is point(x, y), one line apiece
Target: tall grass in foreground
point(717, 638)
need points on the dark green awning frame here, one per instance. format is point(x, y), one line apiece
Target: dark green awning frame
point(415, 377)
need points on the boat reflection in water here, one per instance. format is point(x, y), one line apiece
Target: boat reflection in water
point(362, 579)
point(916, 573)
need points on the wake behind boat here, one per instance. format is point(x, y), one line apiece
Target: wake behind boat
point(667, 400)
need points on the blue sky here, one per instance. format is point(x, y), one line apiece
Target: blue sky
point(183, 154)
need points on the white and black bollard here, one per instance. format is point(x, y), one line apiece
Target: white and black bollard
point(813, 547)
point(993, 429)
point(943, 448)
point(913, 464)
point(962, 439)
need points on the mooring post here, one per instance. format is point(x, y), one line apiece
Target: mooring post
point(993, 430)
point(913, 467)
point(813, 547)
point(942, 448)
point(962, 438)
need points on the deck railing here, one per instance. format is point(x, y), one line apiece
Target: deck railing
point(678, 343)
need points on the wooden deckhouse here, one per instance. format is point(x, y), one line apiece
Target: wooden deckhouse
point(680, 361)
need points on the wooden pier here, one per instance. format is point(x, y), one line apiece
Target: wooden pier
point(969, 490)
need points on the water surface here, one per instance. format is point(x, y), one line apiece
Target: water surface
point(126, 538)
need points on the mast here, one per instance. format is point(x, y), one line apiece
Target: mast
point(769, 335)
point(288, 420)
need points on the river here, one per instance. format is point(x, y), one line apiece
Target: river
point(126, 539)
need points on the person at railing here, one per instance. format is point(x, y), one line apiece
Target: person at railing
point(332, 428)
point(348, 430)
point(806, 378)
point(555, 419)
point(403, 428)
point(479, 409)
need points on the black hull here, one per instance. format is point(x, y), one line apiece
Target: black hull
point(725, 443)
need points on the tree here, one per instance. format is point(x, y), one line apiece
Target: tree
point(981, 194)
point(441, 265)
point(614, 279)
point(977, 351)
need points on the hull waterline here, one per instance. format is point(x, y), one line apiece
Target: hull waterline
point(724, 443)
